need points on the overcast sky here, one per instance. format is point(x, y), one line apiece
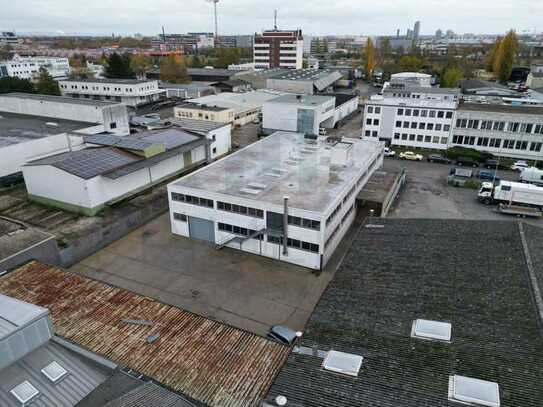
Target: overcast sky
point(248, 16)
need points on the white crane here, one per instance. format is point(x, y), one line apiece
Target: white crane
point(216, 21)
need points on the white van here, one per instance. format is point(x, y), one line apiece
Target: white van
point(532, 175)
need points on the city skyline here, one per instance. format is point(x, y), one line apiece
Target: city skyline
point(104, 17)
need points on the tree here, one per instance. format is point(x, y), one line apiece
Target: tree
point(196, 62)
point(227, 56)
point(450, 77)
point(385, 48)
point(369, 58)
point(118, 66)
point(173, 70)
point(140, 64)
point(46, 85)
point(491, 58)
point(506, 56)
point(410, 63)
point(9, 84)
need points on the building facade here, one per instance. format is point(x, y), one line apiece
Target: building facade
point(194, 111)
point(279, 49)
point(29, 67)
point(241, 201)
point(131, 92)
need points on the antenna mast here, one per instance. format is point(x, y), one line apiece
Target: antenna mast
point(275, 20)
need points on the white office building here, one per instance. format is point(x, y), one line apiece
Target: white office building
point(131, 92)
point(422, 123)
point(285, 197)
point(29, 67)
point(503, 130)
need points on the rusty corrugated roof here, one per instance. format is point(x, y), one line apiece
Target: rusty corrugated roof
point(214, 363)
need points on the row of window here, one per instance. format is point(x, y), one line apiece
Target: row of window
point(180, 217)
point(242, 210)
point(238, 230)
point(193, 200)
point(294, 243)
point(332, 236)
point(497, 143)
point(511, 127)
point(106, 88)
point(334, 213)
point(375, 122)
point(374, 109)
point(420, 138)
point(423, 126)
point(304, 223)
point(440, 114)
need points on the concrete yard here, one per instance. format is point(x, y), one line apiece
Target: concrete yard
point(427, 195)
point(238, 288)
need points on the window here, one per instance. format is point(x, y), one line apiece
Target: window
point(529, 128)
point(416, 112)
point(213, 137)
point(214, 150)
point(411, 137)
point(449, 115)
point(405, 125)
point(446, 127)
point(420, 137)
point(404, 136)
point(521, 145)
point(242, 210)
point(422, 126)
point(113, 125)
point(413, 125)
point(535, 147)
point(302, 222)
point(370, 109)
point(193, 200)
point(376, 122)
point(377, 110)
point(180, 217)
point(467, 390)
point(424, 113)
point(440, 114)
point(398, 123)
point(430, 126)
point(438, 127)
point(400, 112)
point(396, 136)
point(443, 140)
point(509, 144)
point(432, 113)
point(513, 127)
point(368, 133)
point(427, 139)
point(408, 112)
point(368, 121)
point(24, 392)
point(374, 133)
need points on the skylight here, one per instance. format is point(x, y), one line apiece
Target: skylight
point(474, 391)
point(431, 330)
point(24, 392)
point(344, 363)
point(54, 371)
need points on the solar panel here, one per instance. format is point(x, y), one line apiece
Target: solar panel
point(131, 144)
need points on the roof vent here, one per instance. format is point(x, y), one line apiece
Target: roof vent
point(51, 124)
point(281, 400)
point(249, 191)
point(474, 391)
point(344, 363)
point(431, 330)
point(24, 392)
point(54, 372)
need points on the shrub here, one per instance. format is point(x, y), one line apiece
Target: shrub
point(480, 156)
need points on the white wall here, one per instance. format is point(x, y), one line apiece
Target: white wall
point(223, 141)
point(13, 157)
point(345, 110)
point(280, 116)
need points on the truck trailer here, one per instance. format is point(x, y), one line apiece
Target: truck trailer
point(511, 193)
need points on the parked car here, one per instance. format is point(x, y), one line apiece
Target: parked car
point(283, 334)
point(389, 152)
point(466, 162)
point(411, 156)
point(438, 158)
point(488, 175)
point(519, 166)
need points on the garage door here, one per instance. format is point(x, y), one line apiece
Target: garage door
point(202, 229)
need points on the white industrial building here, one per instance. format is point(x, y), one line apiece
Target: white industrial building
point(112, 168)
point(131, 92)
point(29, 67)
point(285, 197)
point(503, 130)
point(408, 91)
point(414, 78)
point(218, 134)
point(245, 107)
point(34, 126)
point(307, 81)
point(422, 123)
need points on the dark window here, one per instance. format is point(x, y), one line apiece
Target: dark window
point(400, 112)
point(440, 114)
point(242, 210)
point(180, 217)
point(113, 125)
point(449, 115)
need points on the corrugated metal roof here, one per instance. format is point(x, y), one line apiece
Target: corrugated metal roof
point(211, 362)
point(200, 126)
point(83, 377)
point(150, 395)
point(328, 80)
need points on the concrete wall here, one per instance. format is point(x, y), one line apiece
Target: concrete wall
point(45, 252)
point(222, 116)
point(222, 143)
point(280, 116)
point(13, 157)
point(345, 110)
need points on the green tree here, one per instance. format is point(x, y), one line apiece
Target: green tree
point(196, 62)
point(410, 63)
point(506, 56)
point(140, 64)
point(118, 66)
point(369, 58)
point(227, 56)
point(9, 84)
point(491, 57)
point(318, 46)
point(173, 70)
point(451, 76)
point(46, 85)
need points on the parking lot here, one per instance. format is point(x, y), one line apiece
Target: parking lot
point(427, 195)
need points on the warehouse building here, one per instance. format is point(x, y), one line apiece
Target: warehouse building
point(298, 113)
point(219, 135)
point(131, 92)
point(412, 122)
point(285, 197)
point(414, 78)
point(305, 81)
point(187, 90)
point(116, 168)
point(204, 112)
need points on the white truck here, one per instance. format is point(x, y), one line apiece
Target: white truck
point(513, 198)
point(532, 175)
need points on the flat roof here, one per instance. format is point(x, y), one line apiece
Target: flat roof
point(111, 80)
point(211, 362)
point(20, 128)
point(286, 164)
point(407, 87)
point(490, 107)
point(60, 99)
point(240, 102)
point(213, 72)
point(307, 74)
point(202, 106)
point(413, 103)
point(306, 100)
point(472, 274)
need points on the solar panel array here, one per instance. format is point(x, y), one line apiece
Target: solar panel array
point(93, 161)
point(129, 143)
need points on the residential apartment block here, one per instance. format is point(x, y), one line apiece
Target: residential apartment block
point(131, 92)
point(29, 67)
point(285, 197)
point(279, 49)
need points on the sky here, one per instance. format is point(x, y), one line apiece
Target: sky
point(317, 17)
